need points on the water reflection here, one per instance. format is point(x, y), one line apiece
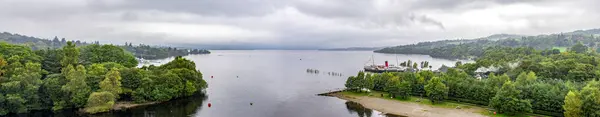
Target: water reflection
point(176, 108)
point(361, 111)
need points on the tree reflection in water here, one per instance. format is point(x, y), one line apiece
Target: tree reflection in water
point(182, 107)
point(360, 110)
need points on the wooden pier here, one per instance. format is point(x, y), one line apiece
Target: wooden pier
point(331, 92)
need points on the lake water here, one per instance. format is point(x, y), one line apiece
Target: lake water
point(274, 81)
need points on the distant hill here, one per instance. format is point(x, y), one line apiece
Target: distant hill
point(469, 48)
point(140, 50)
point(353, 49)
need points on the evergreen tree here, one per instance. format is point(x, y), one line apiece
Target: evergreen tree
point(70, 55)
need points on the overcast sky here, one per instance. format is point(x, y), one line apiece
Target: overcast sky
point(292, 23)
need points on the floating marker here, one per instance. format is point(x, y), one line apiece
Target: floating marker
point(251, 103)
point(209, 105)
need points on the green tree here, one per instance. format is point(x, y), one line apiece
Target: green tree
point(392, 86)
point(526, 78)
point(192, 76)
point(132, 78)
point(415, 65)
point(506, 100)
point(368, 83)
point(167, 86)
point(15, 103)
point(3, 106)
point(404, 89)
point(436, 90)
point(76, 85)
point(591, 99)
point(179, 62)
point(379, 81)
point(496, 82)
point(351, 83)
point(53, 87)
point(579, 48)
point(51, 59)
point(573, 104)
point(22, 89)
point(95, 74)
point(100, 102)
point(107, 53)
point(112, 83)
point(70, 55)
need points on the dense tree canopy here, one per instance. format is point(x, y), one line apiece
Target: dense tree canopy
point(106, 53)
point(573, 104)
point(507, 101)
point(522, 80)
point(94, 78)
point(436, 90)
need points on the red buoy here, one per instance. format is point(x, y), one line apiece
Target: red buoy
point(209, 105)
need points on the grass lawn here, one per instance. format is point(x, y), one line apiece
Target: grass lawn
point(413, 99)
point(445, 104)
point(562, 49)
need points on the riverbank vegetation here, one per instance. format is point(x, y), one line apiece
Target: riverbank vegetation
point(92, 77)
point(139, 51)
point(527, 80)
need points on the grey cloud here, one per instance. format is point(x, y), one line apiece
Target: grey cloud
point(205, 7)
point(466, 4)
point(425, 19)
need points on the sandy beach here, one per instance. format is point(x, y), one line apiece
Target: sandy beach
point(408, 108)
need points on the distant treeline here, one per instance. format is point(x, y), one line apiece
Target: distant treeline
point(139, 51)
point(469, 48)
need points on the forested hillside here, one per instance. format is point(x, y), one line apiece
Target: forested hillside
point(93, 77)
point(470, 48)
point(139, 51)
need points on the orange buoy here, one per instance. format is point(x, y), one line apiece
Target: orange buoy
point(209, 105)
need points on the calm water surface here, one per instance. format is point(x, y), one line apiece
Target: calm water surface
point(274, 81)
